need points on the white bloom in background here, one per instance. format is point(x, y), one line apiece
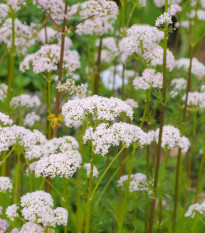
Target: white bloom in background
point(195, 99)
point(23, 35)
point(5, 119)
point(98, 107)
point(104, 136)
point(4, 10)
point(61, 216)
point(62, 164)
point(154, 57)
point(31, 119)
point(138, 182)
point(47, 60)
point(139, 39)
point(161, 3)
point(162, 19)
point(48, 147)
point(15, 230)
point(132, 103)
point(5, 184)
point(71, 88)
point(198, 68)
point(179, 84)
point(112, 77)
point(171, 138)
point(54, 7)
point(202, 89)
point(148, 79)
point(183, 23)
point(16, 4)
point(3, 91)
point(32, 167)
point(25, 100)
point(195, 208)
point(3, 225)
point(175, 8)
point(11, 211)
point(87, 167)
point(31, 227)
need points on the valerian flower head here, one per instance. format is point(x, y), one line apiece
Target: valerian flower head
point(5, 119)
point(5, 184)
point(195, 209)
point(148, 79)
point(47, 60)
point(25, 101)
point(87, 167)
point(11, 212)
point(98, 107)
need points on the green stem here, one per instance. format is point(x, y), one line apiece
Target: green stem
point(29, 175)
point(123, 212)
point(11, 60)
point(17, 173)
point(64, 199)
point(48, 104)
point(89, 199)
point(108, 167)
point(152, 212)
point(199, 176)
point(146, 109)
point(5, 158)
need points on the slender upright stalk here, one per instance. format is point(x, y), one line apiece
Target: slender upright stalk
point(97, 75)
point(57, 106)
point(48, 84)
point(17, 172)
point(11, 59)
point(199, 177)
point(162, 114)
point(89, 199)
point(64, 198)
point(123, 212)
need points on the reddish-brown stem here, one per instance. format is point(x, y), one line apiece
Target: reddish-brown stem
point(97, 75)
point(60, 67)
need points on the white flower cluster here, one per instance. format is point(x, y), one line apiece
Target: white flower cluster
point(198, 68)
point(104, 136)
point(171, 138)
point(132, 103)
point(3, 91)
point(11, 211)
point(161, 3)
point(5, 119)
point(139, 39)
point(62, 164)
point(25, 101)
point(37, 207)
point(162, 19)
point(154, 57)
point(195, 99)
point(87, 167)
point(23, 35)
point(16, 4)
point(102, 14)
point(98, 107)
point(138, 182)
point(4, 10)
point(3, 225)
point(5, 184)
point(48, 147)
point(112, 77)
point(71, 88)
point(30, 119)
point(194, 209)
point(13, 135)
point(175, 8)
point(148, 79)
point(54, 7)
point(31, 227)
point(178, 85)
point(47, 59)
